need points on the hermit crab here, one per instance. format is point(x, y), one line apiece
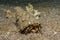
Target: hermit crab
point(32, 28)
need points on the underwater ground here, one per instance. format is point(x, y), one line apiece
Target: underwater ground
point(14, 18)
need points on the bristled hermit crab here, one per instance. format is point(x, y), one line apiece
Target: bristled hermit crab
point(32, 28)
